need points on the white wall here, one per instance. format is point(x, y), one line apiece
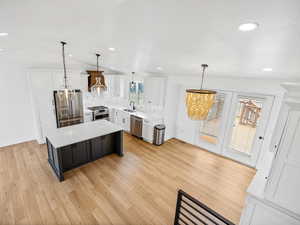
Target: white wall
point(170, 111)
point(16, 114)
point(186, 128)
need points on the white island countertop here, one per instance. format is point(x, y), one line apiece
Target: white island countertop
point(81, 132)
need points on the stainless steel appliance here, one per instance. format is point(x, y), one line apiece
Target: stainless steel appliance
point(136, 126)
point(68, 109)
point(159, 134)
point(99, 112)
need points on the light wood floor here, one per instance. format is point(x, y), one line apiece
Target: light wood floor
point(139, 188)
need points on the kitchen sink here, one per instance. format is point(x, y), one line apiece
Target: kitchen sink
point(129, 110)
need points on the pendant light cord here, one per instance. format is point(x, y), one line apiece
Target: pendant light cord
point(204, 66)
point(64, 62)
point(132, 77)
point(97, 62)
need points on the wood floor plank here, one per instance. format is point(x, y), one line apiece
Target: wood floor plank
point(139, 188)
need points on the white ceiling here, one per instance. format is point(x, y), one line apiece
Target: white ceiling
point(177, 35)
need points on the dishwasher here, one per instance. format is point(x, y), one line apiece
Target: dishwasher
point(136, 126)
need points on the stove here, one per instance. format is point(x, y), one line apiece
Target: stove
point(99, 112)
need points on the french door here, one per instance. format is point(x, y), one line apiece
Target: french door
point(211, 131)
point(246, 127)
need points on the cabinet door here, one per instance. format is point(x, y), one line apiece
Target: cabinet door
point(50, 151)
point(75, 155)
point(81, 153)
point(118, 117)
point(67, 158)
point(102, 146)
point(96, 148)
point(111, 115)
point(284, 184)
point(88, 117)
point(123, 119)
point(107, 144)
point(154, 90)
point(147, 131)
point(126, 119)
point(261, 214)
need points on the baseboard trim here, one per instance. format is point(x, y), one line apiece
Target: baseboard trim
point(17, 143)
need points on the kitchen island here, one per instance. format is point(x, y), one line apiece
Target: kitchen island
point(73, 146)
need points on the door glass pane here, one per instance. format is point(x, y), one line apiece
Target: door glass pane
point(210, 129)
point(245, 123)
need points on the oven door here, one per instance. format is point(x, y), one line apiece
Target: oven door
point(101, 116)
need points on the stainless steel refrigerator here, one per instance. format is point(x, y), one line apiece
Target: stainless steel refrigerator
point(68, 108)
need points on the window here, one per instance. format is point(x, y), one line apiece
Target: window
point(136, 92)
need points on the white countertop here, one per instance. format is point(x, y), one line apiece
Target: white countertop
point(144, 115)
point(73, 134)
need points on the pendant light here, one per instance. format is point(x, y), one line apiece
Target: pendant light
point(132, 80)
point(99, 87)
point(199, 101)
point(65, 92)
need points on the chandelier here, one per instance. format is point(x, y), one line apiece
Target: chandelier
point(199, 101)
point(66, 91)
point(99, 87)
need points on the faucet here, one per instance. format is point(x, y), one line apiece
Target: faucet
point(131, 104)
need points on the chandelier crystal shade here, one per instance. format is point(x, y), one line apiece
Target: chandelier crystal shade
point(99, 87)
point(199, 101)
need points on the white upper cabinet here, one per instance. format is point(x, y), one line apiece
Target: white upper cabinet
point(154, 91)
point(117, 86)
point(284, 182)
point(113, 85)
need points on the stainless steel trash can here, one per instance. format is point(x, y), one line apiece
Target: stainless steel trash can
point(159, 134)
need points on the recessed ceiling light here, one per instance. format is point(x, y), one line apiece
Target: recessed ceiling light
point(70, 55)
point(111, 49)
point(159, 68)
point(3, 34)
point(248, 26)
point(267, 69)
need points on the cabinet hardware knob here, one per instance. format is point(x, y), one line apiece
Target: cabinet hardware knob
point(261, 138)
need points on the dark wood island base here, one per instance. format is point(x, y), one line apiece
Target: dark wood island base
point(71, 156)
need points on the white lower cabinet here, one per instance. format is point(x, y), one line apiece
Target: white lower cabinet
point(148, 128)
point(284, 183)
point(88, 117)
point(122, 119)
point(111, 115)
point(147, 131)
point(126, 121)
point(258, 212)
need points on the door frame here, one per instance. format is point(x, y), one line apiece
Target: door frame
point(252, 159)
